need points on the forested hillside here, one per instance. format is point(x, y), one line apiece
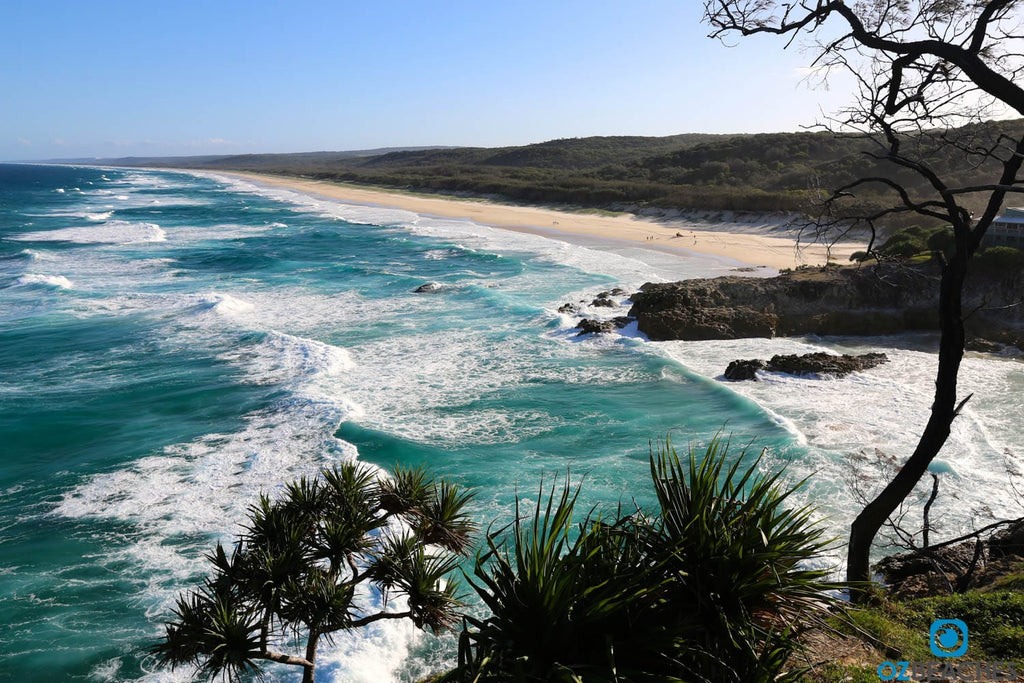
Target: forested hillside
point(785, 172)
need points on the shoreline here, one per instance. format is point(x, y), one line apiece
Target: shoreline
point(677, 237)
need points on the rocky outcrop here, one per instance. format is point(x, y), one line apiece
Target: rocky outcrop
point(744, 369)
point(807, 364)
point(929, 572)
point(1008, 542)
point(869, 300)
point(590, 326)
point(825, 363)
point(428, 288)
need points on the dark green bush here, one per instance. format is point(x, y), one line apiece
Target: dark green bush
point(999, 260)
point(711, 586)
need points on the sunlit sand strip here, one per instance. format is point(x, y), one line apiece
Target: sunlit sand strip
point(676, 236)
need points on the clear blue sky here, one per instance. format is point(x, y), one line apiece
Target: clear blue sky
point(115, 78)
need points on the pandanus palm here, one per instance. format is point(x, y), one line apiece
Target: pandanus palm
point(296, 568)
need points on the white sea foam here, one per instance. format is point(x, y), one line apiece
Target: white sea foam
point(205, 486)
point(36, 255)
point(886, 417)
point(224, 304)
point(58, 281)
point(111, 232)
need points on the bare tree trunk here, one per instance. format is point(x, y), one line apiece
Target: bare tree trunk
point(927, 528)
point(944, 410)
point(309, 672)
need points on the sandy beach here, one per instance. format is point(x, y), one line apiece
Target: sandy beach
point(676, 236)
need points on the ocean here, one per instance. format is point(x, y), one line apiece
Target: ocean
point(172, 344)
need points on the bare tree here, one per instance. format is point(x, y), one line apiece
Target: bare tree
point(928, 73)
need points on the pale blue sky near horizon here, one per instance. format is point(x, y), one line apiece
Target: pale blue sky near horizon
point(117, 78)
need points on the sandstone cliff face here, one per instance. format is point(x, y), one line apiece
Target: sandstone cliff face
point(883, 299)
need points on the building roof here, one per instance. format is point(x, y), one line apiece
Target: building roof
point(1012, 215)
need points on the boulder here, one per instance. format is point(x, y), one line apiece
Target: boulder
point(1008, 543)
point(569, 308)
point(590, 326)
point(744, 369)
point(928, 572)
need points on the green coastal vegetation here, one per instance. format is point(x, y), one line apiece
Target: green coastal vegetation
point(918, 244)
point(717, 583)
point(767, 172)
point(722, 581)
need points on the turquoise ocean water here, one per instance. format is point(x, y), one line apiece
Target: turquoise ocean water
point(173, 344)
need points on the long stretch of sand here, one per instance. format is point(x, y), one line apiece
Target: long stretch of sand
point(672, 236)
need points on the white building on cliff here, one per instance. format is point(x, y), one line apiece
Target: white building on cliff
point(1007, 230)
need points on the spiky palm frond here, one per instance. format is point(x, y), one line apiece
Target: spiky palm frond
point(388, 558)
point(739, 558)
point(442, 519)
point(406, 490)
point(318, 602)
point(212, 631)
point(344, 535)
point(708, 587)
point(275, 526)
point(351, 485)
point(553, 593)
point(432, 600)
point(305, 498)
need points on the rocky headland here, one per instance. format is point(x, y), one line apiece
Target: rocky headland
point(887, 298)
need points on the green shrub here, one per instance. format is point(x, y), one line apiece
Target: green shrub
point(999, 260)
point(712, 586)
point(995, 620)
point(942, 240)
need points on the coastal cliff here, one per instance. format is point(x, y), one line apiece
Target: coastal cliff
point(867, 300)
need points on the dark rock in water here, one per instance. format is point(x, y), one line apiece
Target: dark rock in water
point(1008, 542)
point(825, 363)
point(428, 288)
point(590, 326)
point(982, 345)
point(622, 321)
point(618, 291)
point(744, 369)
point(600, 301)
point(807, 364)
point(569, 308)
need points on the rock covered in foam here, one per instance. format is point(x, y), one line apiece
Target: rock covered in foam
point(744, 369)
point(819, 363)
point(428, 288)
